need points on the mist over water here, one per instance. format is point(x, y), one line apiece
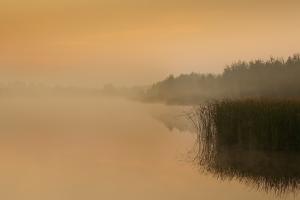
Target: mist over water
point(101, 148)
point(149, 99)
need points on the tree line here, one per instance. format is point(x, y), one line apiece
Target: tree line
point(272, 78)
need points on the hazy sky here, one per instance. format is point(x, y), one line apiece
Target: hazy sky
point(139, 41)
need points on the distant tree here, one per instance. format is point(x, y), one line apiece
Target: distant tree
point(274, 77)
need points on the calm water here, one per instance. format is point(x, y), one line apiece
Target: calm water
point(66, 149)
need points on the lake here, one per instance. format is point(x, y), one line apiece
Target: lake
point(104, 148)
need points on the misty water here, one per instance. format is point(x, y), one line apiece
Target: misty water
point(104, 148)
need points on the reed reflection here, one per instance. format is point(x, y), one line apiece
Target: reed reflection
point(253, 141)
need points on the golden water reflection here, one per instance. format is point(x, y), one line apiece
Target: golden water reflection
point(74, 149)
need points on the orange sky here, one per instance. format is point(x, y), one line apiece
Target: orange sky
point(138, 41)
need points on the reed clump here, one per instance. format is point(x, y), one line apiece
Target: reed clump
point(258, 124)
point(255, 140)
point(251, 124)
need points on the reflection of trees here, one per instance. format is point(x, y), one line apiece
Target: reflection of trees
point(174, 121)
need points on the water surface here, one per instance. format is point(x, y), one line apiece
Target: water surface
point(75, 149)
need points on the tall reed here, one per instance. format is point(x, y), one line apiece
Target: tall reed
point(242, 138)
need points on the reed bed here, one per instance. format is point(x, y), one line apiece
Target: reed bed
point(230, 131)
